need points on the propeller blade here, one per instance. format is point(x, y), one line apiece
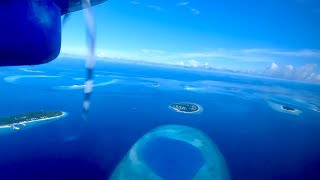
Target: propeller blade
point(90, 63)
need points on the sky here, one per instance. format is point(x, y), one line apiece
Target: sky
point(272, 37)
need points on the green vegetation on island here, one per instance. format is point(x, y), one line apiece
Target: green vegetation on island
point(29, 117)
point(185, 107)
point(288, 108)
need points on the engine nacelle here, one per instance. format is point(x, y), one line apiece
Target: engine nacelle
point(30, 31)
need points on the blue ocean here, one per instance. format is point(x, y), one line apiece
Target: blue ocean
point(244, 116)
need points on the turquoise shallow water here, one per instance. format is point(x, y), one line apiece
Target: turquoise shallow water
point(257, 141)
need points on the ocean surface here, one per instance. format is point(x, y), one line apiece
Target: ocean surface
point(241, 114)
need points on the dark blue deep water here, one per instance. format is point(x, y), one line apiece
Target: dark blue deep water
point(256, 140)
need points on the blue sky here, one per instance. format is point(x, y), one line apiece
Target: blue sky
point(247, 35)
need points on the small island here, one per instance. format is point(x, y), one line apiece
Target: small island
point(25, 118)
point(284, 108)
point(185, 107)
point(288, 108)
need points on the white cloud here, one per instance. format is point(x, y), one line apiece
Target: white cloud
point(180, 63)
point(226, 54)
point(135, 2)
point(272, 70)
point(289, 67)
point(297, 53)
point(154, 7)
point(193, 63)
point(151, 6)
point(186, 4)
point(300, 53)
point(307, 72)
point(254, 50)
point(274, 67)
point(195, 11)
point(317, 78)
point(155, 51)
point(190, 63)
point(183, 3)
